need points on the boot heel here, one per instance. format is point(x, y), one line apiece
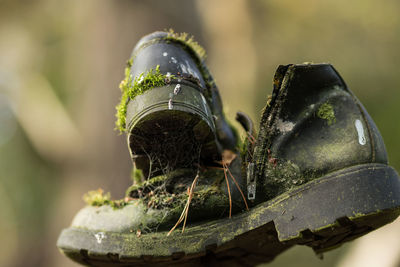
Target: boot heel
point(339, 207)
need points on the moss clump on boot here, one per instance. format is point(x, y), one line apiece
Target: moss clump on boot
point(146, 184)
point(194, 48)
point(97, 198)
point(187, 40)
point(170, 191)
point(132, 88)
point(137, 176)
point(327, 113)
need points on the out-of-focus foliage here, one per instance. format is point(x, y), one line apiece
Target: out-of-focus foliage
point(61, 63)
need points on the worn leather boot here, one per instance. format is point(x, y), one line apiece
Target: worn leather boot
point(320, 161)
point(318, 176)
point(187, 167)
point(170, 106)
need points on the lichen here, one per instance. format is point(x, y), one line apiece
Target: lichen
point(284, 175)
point(132, 88)
point(327, 113)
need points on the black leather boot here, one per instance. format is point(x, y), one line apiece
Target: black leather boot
point(318, 176)
point(170, 106)
point(187, 166)
point(320, 159)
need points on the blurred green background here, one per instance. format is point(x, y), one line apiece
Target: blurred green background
point(61, 63)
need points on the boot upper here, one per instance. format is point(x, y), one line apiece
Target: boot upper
point(313, 125)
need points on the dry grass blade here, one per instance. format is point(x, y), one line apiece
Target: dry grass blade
point(229, 190)
point(238, 187)
point(189, 200)
point(251, 138)
point(185, 210)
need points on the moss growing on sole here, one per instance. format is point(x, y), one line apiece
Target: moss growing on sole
point(152, 182)
point(132, 88)
point(163, 206)
point(327, 113)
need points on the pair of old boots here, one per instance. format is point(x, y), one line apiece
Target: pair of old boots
point(316, 173)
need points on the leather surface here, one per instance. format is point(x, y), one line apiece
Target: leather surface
point(314, 125)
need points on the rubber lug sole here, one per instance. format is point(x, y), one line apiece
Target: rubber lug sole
point(322, 214)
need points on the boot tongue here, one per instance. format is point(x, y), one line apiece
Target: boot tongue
point(274, 101)
point(271, 110)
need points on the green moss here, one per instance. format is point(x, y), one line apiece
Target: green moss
point(117, 204)
point(97, 198)
point(194, 48)
point(131, 188)
point(137, 176)
point(242, 147)
point(187, 40)
point(152, 182)
point(132, 88)
point(327, 113)
point(204, 191)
